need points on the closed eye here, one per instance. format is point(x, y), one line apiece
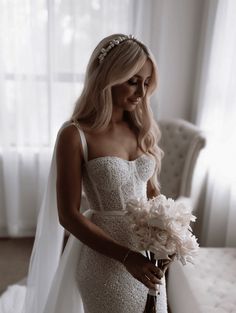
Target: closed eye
point(132, 82)
point(135, 82)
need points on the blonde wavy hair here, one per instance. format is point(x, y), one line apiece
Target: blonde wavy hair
point(93, 109)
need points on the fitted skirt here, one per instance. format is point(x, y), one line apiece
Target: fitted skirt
point(104, 284)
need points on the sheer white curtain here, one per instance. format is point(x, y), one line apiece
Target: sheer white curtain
point(44, 49)
point(215, 112)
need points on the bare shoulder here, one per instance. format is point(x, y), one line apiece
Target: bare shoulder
point(69, 142)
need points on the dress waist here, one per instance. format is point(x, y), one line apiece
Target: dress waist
point(107, 213)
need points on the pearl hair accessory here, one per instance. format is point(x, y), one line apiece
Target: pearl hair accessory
point(112, 44)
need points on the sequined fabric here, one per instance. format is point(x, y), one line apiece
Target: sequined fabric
point(105, 285)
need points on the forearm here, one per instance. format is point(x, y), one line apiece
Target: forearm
point(93, 236)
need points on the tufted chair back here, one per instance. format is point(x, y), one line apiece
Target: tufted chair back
point(181, 142)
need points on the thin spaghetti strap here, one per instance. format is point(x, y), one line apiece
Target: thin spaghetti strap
point(83, 140)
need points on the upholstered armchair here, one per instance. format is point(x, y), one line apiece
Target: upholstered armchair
point(181, 142)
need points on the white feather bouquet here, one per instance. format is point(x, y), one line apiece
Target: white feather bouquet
point(162, 227)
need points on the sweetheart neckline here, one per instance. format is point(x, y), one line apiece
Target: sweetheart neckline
point(106, 156)
point(116, 157)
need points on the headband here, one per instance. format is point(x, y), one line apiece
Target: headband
point(112, 44)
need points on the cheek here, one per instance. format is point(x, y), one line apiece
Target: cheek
point(125, 93)
point(119, 94)
point(128, 91)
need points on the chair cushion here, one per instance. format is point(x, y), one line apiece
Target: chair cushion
point(208, 286)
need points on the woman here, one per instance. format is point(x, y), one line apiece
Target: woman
point(110, 147)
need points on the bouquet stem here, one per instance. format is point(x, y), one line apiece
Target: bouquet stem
point(151, 299)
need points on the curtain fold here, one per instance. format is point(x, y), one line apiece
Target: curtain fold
point(23, 177)
point(215, 112)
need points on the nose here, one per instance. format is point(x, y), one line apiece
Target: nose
point(140, 91)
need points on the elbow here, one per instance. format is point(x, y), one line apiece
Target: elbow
point(65, 218)
point(63, 221)
point(68, 217)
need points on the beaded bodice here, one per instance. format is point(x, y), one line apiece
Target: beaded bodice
point(110, 181)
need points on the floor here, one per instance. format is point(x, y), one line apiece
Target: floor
point(14, 260)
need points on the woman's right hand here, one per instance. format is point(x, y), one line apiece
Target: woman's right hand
point(141, 268)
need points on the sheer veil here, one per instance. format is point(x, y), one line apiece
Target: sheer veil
point(51, 282)
point(47, 246)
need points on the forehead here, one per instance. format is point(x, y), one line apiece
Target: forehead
point(146, 70)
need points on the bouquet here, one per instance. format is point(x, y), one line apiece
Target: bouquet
point(162, 228)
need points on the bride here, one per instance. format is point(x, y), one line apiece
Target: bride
point(109, 149)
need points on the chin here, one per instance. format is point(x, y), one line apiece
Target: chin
point(130, 108)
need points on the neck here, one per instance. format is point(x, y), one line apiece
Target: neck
point(117, 116)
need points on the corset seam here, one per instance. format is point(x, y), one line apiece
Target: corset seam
point(94, 188)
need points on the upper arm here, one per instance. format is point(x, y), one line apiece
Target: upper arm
point(69, 172)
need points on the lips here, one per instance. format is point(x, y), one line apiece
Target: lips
point(135, 100)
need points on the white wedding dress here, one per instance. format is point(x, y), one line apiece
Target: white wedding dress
point(85, 280)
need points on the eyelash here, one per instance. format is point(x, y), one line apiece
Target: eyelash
point(132, 83)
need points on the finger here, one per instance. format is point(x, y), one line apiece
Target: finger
point(172, 257)
point(147, 282)
point(156, 271)
point(166, 264)
point(153, 278)
point(166, 267)
point(167, 261)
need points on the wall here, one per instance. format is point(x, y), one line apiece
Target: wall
point(174, 42)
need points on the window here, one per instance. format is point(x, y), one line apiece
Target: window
point(45, 47)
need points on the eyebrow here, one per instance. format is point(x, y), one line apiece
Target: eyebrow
point(142, 77)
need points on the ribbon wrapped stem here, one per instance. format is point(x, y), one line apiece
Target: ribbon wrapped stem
point(152, 294)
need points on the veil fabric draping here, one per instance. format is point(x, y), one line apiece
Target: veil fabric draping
point(51, 285)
